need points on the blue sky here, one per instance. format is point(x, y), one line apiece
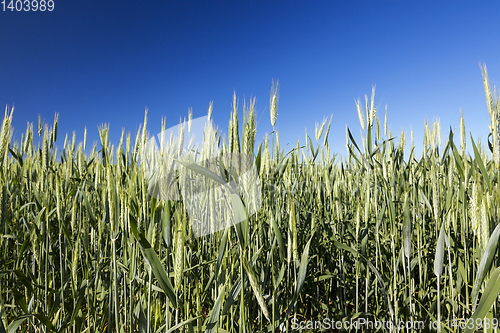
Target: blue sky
point(98, 62)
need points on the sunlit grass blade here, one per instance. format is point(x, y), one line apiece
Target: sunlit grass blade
point(213, 318)
point(158, 269)
point(491, 292)
point(485, 264)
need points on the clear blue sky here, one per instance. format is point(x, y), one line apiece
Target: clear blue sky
point(98, 62)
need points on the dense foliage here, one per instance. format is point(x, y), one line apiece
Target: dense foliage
point(86, 247)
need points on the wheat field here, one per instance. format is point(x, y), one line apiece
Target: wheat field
point(106, 241)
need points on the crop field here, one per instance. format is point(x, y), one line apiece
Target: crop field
point(233, 235)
